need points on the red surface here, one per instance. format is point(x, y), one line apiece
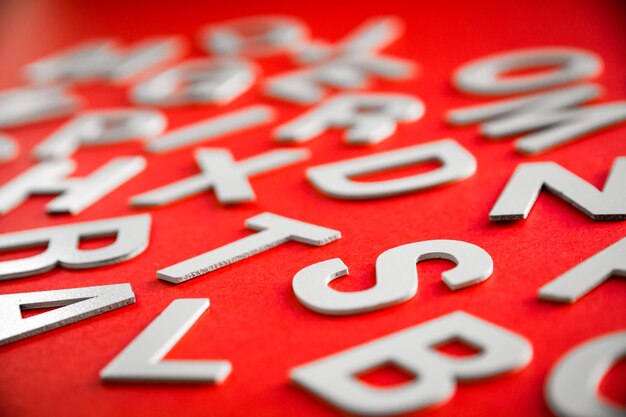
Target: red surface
point(254, 320)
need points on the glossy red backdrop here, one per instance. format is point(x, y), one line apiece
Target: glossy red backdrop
point(255, 320)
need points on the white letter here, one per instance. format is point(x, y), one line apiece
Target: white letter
point(200, 80)
point(553, 115)
point(147, 56)
point(396, 277)
point(587, 275)
point(73, 304)
point(527, 181)
point(370, 118)
point(132, 235)
point(372, 36)
point(348, 64)
point(88, 60)
point(334, 179)
point(76, 193)
point(305, 86)
point(571, 389)
point(333, 378)
point(8, 148)
point(215, 127)
point(483, 76)
point(229, 179)
point(142, 359)
point(21, 106)
point(255, 36)
point(104, 59)
point(101, 127)
point(274, 230)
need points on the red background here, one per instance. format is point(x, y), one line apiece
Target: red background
point(255, 320)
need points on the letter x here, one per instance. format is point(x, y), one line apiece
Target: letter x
point(229, 179)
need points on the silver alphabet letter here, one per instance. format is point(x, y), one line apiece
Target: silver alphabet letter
point(142, 360)
point(21, 106)
point(212, 128)
point(546, 120)
point(8, 148)
point(73, 304)
point(76, 193)
point(333, 378)
point(527, 181)
point(222, 174)
point(274, 230)
point(255, 36)
point(334, 179)
point(101, 127)
point(104, 59)
point(483, 75)
point(370, 118)
point(396, 277)
point(571, 389)
point(201, 80)
point(132, 235)
point(584, 277)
